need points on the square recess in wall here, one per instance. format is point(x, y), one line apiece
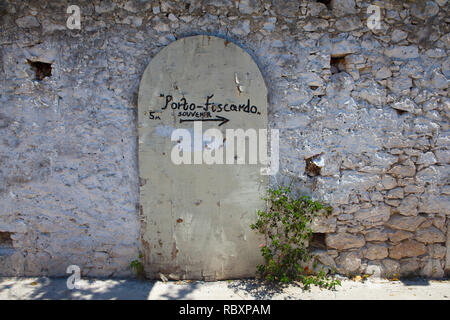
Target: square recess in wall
point(326, 2)
point(41, 69)
point(337, 64)
point(6, 244)
point(6, 240)
point(318, 241)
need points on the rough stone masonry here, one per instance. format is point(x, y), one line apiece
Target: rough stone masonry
point(363, 117)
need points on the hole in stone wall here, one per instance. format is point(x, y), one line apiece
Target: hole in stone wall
point(6, 240)
point(326, 2)
point(318, 241)
point(400, 112)
point(311, 168)
point(337, 64)
point(41, 69)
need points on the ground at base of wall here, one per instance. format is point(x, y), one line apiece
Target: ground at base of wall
point(94, 289)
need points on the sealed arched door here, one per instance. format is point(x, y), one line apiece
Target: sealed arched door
point(197, 215)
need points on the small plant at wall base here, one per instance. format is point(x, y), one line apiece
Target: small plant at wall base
point(286, 227)
point(138, 266)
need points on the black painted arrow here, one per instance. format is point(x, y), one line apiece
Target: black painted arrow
point(219, 118)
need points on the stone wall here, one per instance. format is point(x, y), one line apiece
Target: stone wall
point(363, 118)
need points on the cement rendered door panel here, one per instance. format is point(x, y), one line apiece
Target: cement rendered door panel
point(196, 217)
